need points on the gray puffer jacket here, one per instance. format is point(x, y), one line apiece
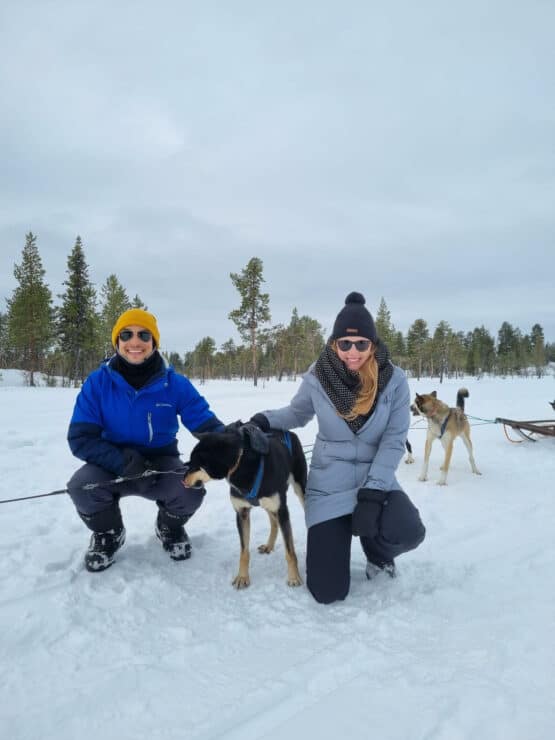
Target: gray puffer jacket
point(342, 461)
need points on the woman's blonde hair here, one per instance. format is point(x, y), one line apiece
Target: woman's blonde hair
point(366, 395)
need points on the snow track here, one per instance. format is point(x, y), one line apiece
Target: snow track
point(458, 646)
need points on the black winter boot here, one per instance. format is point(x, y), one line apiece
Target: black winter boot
point(102, 548)
point(373, 569)
point(171, 533)
point(107, 538)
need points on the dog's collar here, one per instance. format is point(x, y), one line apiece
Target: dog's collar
point(234, 468)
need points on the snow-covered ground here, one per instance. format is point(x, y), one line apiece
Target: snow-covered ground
point(459, 646)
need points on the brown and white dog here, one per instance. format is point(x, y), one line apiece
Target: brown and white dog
point(446, 424)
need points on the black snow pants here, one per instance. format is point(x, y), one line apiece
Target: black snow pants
point(328, 552)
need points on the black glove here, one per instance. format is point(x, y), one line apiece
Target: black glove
point(252, 434)
point(133, 462)
point(261, 422)
point(256, 438)
point(368, 512)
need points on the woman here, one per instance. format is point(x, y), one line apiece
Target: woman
point(125, 421)
point(361, 401)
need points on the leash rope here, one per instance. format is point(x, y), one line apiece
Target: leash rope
point(424, 429)
point(181, 471)
point(91, 486)
point(514, 441)
point(478, 418)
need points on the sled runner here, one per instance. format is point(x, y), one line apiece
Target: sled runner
point(528, 429)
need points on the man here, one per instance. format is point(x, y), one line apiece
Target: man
point(125, 421)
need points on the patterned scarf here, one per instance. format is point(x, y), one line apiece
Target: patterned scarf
point(342, 384)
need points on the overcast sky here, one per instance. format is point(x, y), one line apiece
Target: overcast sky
point(401, 149)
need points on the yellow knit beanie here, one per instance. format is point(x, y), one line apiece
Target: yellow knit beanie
point(136, 317)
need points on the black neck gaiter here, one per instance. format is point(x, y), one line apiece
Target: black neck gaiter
point(138, 375)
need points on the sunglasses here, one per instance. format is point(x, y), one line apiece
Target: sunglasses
point(361, 345)
point(127, 334)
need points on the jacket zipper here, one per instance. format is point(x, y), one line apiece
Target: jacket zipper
point(150, 430)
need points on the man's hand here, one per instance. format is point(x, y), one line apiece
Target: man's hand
point(133, 463)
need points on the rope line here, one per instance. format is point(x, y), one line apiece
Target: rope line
point(478, 418)
point(514, 441)
point(307, 449)
point(90, 486)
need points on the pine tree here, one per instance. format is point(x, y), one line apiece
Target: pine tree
point(480, 352)
point(441, 345)
point(30, 322)
point(114, 302)
point(229, 352)
point(417, 345)
point(295, 332)
point(538, 349)
point(78, 323)
point(254, 309)
point(278, 349)
point(507, 348)
point(384, 326)
point(204, 355)
point(398, 349)
point(458, 352)
point(3, 340)
point(138, 303)
point(312, 343)
point(174, 360)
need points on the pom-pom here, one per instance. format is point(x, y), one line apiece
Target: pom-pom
point(355, 298)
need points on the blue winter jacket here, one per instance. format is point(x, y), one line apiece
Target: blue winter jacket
point(110, 417)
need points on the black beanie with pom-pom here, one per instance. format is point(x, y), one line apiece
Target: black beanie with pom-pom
point(354, 320)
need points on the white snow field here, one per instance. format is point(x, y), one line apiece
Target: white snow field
point(460, 646)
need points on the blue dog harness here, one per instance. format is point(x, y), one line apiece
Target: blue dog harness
point(253, 493)
point(286, 439)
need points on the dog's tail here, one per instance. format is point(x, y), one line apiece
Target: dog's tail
point(462, 393)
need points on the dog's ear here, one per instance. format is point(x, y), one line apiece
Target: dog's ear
point(434, 394)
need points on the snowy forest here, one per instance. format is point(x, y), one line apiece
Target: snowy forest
point(68, 339)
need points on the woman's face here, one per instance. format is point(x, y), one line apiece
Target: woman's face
point(132, 347)
point(353, 357)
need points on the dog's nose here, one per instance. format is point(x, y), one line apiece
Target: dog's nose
point(197, 484)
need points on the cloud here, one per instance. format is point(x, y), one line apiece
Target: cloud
point(400, 150)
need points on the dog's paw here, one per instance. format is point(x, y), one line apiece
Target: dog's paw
point(265, 549)
point(476, 472)
point(422, 478)
point(409, 460)
point(241, 581)
point(295, 581)
point(442, 482)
